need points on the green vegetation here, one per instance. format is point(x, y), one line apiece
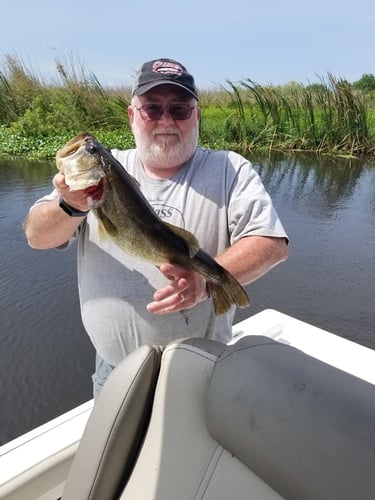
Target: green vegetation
point(330, 117)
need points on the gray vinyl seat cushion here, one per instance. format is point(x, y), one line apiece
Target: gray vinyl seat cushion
point(115, 429)
point(256, 420)
point(303, 426)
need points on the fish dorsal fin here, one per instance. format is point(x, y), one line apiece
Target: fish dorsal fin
point(190, 239)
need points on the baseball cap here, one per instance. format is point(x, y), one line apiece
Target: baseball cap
point(161, 72)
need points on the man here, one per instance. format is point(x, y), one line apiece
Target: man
point(216, 195)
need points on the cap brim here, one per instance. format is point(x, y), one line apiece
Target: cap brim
point(142, 89)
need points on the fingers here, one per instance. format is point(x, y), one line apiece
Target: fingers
point(185, 289)
point(171, 298)
point(59, 182)
point(77, 199)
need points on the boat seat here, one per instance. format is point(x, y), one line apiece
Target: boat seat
point(255, 420)
point(115, 428)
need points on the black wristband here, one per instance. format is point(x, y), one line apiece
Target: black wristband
point(72, 212)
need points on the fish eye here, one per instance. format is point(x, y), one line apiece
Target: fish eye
point(91, 148)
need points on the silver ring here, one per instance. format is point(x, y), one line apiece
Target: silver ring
point(182, 297)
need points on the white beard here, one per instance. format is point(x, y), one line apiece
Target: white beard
point(165, 147)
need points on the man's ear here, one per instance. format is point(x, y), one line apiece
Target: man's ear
point(131, 114)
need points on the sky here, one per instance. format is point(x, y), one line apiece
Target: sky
point(269, 42)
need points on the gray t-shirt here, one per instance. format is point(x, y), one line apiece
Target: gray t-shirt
point(217, 196)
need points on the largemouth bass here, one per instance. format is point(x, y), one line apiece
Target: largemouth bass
point(125, 215)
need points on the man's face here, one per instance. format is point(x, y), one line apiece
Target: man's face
point(166, 142)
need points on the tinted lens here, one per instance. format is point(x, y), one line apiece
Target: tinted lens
point(180, 111)
point(152, 112)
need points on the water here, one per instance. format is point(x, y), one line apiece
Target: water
point(46, 359)
point(328, 209)
point(45, 356)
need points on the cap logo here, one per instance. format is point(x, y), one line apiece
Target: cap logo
point(167, 68)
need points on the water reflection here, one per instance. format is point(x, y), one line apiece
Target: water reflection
point(46, 360)
point(322, 184)
point(30, 172)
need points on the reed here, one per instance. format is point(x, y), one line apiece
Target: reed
point(332, 116)
point(74, 101)
point(326, 117)
point(17, 87)
point(90, 104)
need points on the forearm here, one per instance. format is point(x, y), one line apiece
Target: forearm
point(48, 226)
point(251, 257)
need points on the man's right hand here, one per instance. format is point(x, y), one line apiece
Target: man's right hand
point(76, 199)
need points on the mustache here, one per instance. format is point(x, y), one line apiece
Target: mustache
point(172, 130)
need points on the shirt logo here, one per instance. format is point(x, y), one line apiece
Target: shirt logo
point(169, 214)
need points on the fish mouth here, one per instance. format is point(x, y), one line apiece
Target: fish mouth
point(95, 194)
point(73, 147)
point(78, 160)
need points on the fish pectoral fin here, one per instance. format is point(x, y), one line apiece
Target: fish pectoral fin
point(101, 231)
point(190, 239)
point(106, 226)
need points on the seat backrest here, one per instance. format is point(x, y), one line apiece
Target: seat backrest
point(304, 427)
point(258, 419)
point(179, 458)
point(115, 429)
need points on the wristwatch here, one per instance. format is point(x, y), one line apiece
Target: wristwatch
point(73, 212)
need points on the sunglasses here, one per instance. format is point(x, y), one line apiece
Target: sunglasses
point(153, 112)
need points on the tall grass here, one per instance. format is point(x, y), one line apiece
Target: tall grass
point(36, 117)
point(327, 117)
point(74, 100)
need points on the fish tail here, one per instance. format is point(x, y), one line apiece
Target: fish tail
point(227, 294)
